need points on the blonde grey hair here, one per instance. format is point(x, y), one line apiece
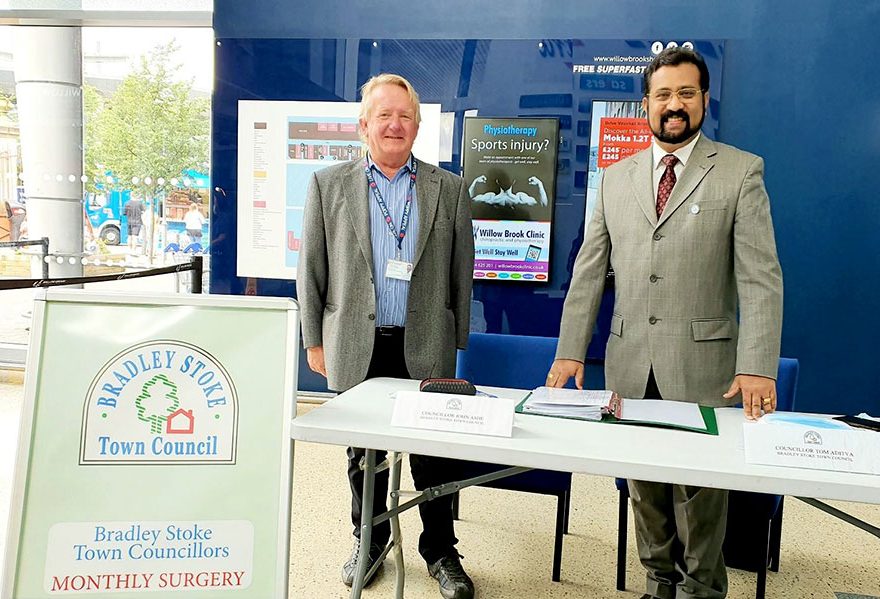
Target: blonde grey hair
point(385, 79)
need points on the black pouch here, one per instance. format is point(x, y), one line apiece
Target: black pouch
point(457, 386)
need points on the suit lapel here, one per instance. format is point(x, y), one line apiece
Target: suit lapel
point(427, 195)
point(641, 179)
point(357, 201)
point(700, 163)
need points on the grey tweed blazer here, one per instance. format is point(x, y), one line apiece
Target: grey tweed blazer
point(334, 283)
point(698, 293)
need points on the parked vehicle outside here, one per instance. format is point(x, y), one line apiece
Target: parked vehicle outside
point(106, 216)
point(106, 219)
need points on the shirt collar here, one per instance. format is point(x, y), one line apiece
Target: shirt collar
point(406, 168)
point(683, 154)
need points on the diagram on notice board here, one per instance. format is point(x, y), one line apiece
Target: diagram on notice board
point(312, 144)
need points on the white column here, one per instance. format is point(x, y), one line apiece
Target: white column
point(48, 86)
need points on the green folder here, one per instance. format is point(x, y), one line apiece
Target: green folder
point(707, 412)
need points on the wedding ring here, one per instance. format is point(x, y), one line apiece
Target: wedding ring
point(767, 400)
point(550, 376)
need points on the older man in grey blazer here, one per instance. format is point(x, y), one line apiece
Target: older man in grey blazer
point(686, 227)
point(384, 288)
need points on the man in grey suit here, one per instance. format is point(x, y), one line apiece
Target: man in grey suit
point(686, 226)
point(384, 288)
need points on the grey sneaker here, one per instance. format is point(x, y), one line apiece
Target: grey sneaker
point(350, 567)
point(454, 582)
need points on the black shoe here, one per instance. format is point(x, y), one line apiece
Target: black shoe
point(454, 583)
point(350, 567)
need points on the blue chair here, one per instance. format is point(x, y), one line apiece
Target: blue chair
point(520, 362)
point(754, 520)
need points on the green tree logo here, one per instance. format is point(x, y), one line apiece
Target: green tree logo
point(158, 398)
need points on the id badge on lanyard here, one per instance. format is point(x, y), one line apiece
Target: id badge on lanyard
point(398, 269)
point(395, 268)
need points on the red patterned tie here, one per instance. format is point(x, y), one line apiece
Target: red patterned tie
point(667, 182)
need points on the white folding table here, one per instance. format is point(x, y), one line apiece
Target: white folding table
point(361, 417)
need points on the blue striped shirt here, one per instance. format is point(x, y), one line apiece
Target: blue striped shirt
point(391, 294)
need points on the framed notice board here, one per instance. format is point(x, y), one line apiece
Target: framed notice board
point(154, 452)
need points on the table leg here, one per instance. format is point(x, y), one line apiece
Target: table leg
point(394, 482)
point(369, 465)
point(849, 519)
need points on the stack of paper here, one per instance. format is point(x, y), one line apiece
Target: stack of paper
point(584, 404)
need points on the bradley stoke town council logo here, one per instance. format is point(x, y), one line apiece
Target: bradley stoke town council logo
point(160, 402)
point(812, 438)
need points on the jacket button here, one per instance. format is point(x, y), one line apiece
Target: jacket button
point(652, 320)
point(372, 317)
point(653, 278)
point(657, 237)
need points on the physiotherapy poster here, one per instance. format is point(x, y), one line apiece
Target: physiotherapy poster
point(509, 167)
point(280, 146)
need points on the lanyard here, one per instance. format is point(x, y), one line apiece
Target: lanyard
point(386, 214)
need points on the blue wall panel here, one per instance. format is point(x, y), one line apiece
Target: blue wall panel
point(800, 89)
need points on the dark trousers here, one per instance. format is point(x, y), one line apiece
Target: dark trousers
point(438, 537)
point(679, 533)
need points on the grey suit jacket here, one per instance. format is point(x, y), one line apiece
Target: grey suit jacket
point(334, 283)
point(680, 281)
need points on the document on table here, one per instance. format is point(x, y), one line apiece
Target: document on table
point(587, 404)
point(607, 406)
point(663, 412)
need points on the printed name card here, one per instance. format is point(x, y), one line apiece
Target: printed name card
point(454, 413)
point(806, 441)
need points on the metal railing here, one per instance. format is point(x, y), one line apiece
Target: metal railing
point(14, 355)
point(195, 265)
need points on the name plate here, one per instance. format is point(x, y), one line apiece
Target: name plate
point(805, 441)
point(473, 414)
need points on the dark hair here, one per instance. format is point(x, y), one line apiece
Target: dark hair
point(672, 57)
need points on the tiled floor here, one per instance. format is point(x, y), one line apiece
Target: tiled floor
point(507, 537)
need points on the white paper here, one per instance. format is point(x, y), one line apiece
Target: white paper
point(455, 413)
point(569, 397)
point(663, 411)
point(581, 413)
point(584, 404)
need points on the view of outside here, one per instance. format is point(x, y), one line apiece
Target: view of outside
point(146, 125)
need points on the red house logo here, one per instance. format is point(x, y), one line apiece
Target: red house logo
point(180, 422)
